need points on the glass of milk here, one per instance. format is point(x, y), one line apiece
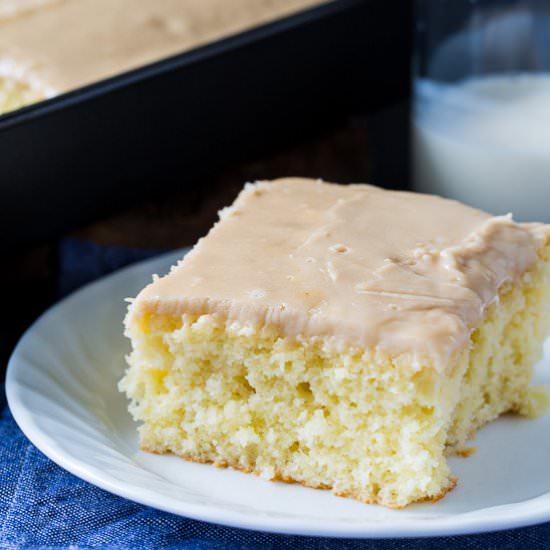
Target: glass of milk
point(481, 108)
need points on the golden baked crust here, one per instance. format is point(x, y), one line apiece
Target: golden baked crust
point(452, 482)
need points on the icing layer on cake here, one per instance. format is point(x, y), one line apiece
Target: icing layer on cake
point(358, 265)
point(69, 43)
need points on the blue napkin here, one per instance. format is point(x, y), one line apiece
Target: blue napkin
point(42, 506)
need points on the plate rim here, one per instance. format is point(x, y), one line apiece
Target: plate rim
point(508, 516)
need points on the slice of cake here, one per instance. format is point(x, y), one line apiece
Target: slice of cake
point(342, 337)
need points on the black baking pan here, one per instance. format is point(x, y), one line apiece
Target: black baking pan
point(170, 125)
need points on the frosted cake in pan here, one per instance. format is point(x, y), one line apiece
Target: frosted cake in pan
point(54, 46)
point(342, 337)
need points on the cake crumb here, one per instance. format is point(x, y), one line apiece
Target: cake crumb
point(465, 452)
point(536, 402)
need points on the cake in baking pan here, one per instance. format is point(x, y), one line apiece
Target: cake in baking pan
point(342, 337)
point(66, 44)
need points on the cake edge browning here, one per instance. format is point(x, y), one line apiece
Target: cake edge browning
point(280, 478)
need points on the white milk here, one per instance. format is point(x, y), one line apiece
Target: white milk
point(486, 142)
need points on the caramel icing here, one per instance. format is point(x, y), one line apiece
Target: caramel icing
point(358, 265)
point(16, 8)
point(65, 44)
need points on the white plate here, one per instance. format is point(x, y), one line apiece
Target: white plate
point(61, 388)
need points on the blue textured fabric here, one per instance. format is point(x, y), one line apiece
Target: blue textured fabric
point(42, 506)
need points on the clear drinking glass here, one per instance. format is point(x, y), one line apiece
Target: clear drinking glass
point(481, 112)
